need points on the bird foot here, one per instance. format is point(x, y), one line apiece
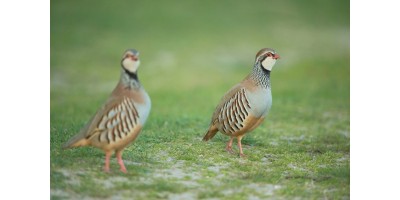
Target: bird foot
point(106, 170)
point(123, 170)
point(229, 150)
point(242, 155)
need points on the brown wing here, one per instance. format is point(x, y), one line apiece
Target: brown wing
point(115, 123)
point(112, 123)
point(232, 110)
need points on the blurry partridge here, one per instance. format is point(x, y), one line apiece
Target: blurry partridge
point(119, 121)
point(246, 104)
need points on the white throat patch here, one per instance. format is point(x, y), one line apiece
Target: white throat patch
point(268, 63)
point(131, 65)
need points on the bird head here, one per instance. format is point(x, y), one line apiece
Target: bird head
point(266, 58)
point(130, 60)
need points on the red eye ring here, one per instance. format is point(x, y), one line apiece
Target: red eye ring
point(131, 57)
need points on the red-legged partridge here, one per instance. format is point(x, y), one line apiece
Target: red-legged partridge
point(119, 121)
point(246, 104)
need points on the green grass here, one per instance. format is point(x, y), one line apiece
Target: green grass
point(192, 53)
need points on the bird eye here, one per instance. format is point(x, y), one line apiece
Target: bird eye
point(130, 56)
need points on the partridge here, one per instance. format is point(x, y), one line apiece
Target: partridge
point(119, 121)
point(246, 104)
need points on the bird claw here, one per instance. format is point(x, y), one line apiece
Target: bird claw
point(123, 170)
point(229, 150)
point(106, 170)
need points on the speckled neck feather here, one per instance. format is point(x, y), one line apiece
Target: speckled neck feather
point(130, 79)
point(261, 76)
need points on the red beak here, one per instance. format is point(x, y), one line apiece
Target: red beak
point(276, 56)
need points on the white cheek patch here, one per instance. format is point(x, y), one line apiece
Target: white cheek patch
point(268, 63)
point(131, 65)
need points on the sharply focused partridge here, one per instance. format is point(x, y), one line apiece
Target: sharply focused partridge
point(119, 121)
point(246, 104)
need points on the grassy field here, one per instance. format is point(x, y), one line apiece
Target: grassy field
point(192, 52)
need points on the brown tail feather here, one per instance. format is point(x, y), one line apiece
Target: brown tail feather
point(210, 133)
point(75, 141)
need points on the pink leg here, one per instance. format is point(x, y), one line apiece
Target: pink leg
point(240, 147)
point(120, 161)
point(107, 162)
point(229, 146)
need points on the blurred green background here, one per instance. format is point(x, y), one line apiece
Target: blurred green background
point(191, 53)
